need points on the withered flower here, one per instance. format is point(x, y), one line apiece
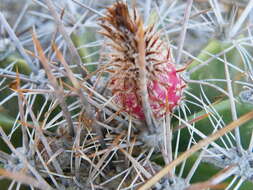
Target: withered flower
point(164, 84)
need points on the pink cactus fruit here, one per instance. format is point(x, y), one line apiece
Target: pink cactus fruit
point(164, 83)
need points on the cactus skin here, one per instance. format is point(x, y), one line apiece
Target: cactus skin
point(165, 86)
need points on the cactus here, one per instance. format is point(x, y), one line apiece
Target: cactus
point(126, 95)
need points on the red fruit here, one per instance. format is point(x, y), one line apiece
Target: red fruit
point(165, 92)
point(165, 86)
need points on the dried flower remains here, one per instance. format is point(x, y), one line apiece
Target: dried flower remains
point(164, 84)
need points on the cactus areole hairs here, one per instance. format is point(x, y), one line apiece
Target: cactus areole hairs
point(163, 81)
